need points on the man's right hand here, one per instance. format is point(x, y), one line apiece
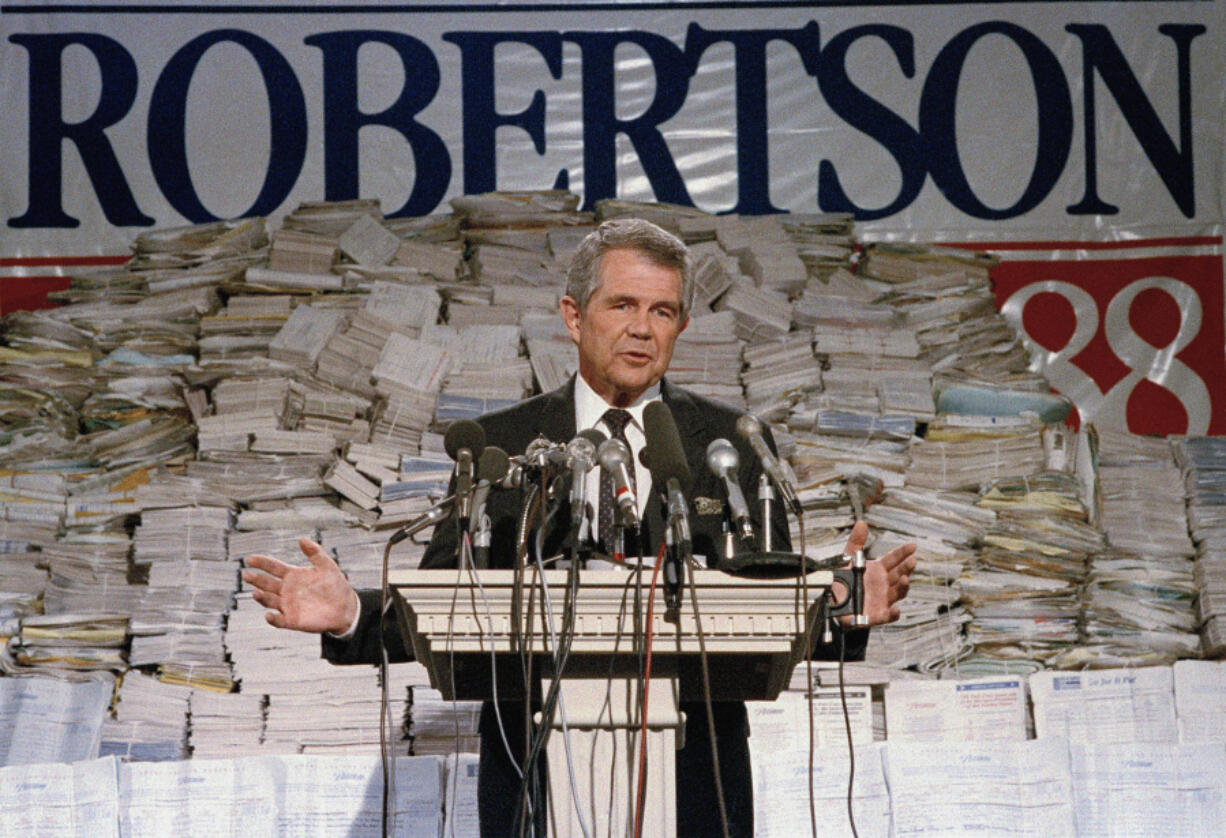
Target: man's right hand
point(316, 598)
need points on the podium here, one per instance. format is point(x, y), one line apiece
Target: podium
point(461, 626)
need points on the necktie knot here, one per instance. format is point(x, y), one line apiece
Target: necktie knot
point(617, 419)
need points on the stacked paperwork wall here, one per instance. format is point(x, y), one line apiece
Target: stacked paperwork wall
point(234, 388)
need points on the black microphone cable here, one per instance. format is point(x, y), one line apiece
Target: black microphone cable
point(851, 747)
point(706, 695)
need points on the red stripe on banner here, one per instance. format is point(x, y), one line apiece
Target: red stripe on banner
point(29, 293)
point(1128, 244)
point(62, 261)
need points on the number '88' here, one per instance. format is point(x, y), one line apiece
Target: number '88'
point(1145, 361)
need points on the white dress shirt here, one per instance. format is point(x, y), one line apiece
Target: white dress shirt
point(589, 412)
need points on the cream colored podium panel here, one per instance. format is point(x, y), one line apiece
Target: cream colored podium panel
point(464, 627)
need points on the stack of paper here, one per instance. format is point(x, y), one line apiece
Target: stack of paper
point(305, 334)
point(440, 260)
point(226, 724)
point(765, 251)
point(261, 397)
point(256, 478)
point(553, 354)
point(359, 552)
point(824, 241)
point(707, 359)
point(338, 414)
point(329, 218)
point(420, 482)
point(244, 327)
point(348, 357)
point(442, 727)
point(367, 242)
point(287, 668)
point(395, 307)
point(22, 577)
point(1140, 594)
point(759, 313)
point(71, 641)
point(39, 403)
point(1203, 460)
point(947, 298)
point(1023, 592)
point(89, 573)
point(485, 361)
point(780, 373)
point(820, 457)
point(713, 273)
point(149, 722)
point(160, 438)
point(963, 452)
point(300, 252)
point(179, 623)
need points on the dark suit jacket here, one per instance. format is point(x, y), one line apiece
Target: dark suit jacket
point(552, 415)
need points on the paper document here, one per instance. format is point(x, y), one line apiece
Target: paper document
point(977, 710)
point(1105, 705)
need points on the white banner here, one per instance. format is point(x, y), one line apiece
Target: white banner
point(930, 122)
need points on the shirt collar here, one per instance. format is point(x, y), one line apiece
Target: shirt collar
point(590, 407)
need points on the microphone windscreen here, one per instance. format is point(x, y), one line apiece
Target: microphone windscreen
point(594, 436)
point(493, 465)
point(464, 433)
point(747, 425)
point(664, 451)
point(722, 458)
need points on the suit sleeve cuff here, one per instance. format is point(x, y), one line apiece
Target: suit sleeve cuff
point(348, 633)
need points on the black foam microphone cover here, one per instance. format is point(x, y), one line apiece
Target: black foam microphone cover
point(593, 436)
point(493, 464)
point(663, 452)
point(464, 433)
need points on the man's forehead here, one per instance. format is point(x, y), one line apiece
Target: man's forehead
point(630, 273)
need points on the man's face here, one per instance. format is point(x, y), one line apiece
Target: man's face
point(626, 333)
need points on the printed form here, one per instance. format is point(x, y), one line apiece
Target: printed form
point(976, 710)
point(1105, 705)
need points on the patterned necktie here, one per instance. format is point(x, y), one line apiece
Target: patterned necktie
point(616, 419)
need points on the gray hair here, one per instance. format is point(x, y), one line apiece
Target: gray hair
point(659, 246)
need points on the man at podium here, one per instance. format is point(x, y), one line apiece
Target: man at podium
point(628, 297)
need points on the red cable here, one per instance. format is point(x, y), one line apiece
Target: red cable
point(651, 601)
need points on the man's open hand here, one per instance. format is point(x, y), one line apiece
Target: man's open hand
point(886, 579)
point(316, 598)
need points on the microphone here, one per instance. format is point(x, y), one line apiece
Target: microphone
point(723, 460)
point(671, 475)
point(749, 427)
point(431, 516)
point(464, 443)
point(614, 457)
point(543, 454)
point(581, 458)
point(492, 467)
